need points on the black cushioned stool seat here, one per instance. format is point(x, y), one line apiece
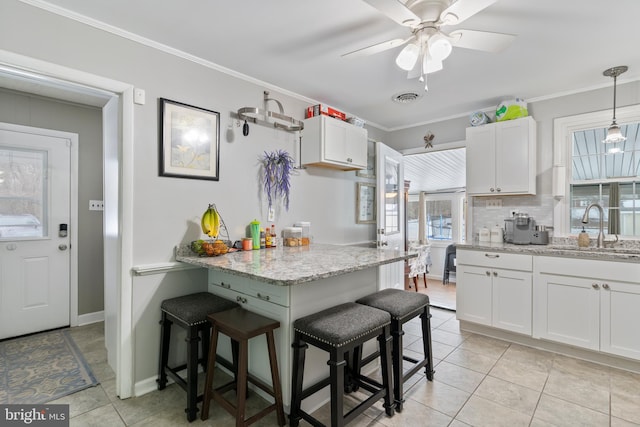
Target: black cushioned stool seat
point(339, 330)
point(404, 306)
point(190, 313)
point(241, 325)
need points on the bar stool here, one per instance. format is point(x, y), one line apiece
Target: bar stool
point(403, 306)
point(339, 330)
point(241, 325)
point(189, 312)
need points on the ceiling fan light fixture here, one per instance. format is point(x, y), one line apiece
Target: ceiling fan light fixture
point(440, 47)
point(408, 56)
point(614, 133)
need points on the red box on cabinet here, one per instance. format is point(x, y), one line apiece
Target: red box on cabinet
point(316, 110)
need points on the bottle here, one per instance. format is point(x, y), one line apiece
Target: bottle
point(267, 238)
point(255, 234)
point(583, 239)
point(263, 241)
point(274, 236)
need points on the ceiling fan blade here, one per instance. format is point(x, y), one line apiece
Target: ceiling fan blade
point(396, 11)
point(376, 48)
point(462, 10)
point(481, 40)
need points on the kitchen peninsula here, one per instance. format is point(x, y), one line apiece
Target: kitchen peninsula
point(287, 283)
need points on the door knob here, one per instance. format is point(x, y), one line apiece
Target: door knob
point(62, 247)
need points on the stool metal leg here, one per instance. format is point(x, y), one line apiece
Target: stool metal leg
point(165, 339)
point(192, 372)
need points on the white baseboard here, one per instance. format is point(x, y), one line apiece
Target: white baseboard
point(146, 386)
point(86, 319)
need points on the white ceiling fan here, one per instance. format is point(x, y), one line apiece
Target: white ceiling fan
point(428, 45)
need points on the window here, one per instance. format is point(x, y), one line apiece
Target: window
point(607, 174)
point(442, 218)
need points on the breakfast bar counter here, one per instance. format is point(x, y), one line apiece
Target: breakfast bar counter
point(286, 283)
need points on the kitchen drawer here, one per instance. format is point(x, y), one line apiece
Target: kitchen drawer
point(254, 288)
point(494, 259)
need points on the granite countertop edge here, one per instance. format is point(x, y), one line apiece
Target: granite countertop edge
point(550, 250)
point(282, 272)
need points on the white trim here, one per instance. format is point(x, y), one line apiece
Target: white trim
point(563, 128)
point(63, 77)
point(437, 147)
point(161, 268)
point(89, 318)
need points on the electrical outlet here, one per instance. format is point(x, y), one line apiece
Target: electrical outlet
point(494, 203)
point(271, 216)
point(96, 205)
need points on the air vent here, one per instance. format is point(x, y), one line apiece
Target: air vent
point(405, 98)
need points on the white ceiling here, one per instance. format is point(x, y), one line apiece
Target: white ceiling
point(561, 46)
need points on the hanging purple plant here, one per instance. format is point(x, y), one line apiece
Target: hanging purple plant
point(278, 166)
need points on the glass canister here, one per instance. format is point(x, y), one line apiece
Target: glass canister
point(306, 232)
point(292, 236)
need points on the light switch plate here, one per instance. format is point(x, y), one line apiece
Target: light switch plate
point(139, 96)
point(494, 203)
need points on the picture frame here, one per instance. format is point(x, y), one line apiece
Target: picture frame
point(189, 141)
point(370, 171)
point(366, 203)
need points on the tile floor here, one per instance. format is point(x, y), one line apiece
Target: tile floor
point(479, 381)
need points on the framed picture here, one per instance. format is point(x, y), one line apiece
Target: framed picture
point(366, 203)
point(189, 141)
point(370, 171)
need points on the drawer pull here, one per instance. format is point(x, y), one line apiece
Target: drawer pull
point(605, 285)
point(487, 273)
point(241, 299)
point(264, 297)
point(225, 285)
point(492, 255)
point(595, 286)
point(495, 274)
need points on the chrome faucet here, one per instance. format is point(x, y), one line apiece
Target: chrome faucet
point(585, 220)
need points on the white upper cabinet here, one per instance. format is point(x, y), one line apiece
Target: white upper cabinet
point(333, 143)
point(501, 158)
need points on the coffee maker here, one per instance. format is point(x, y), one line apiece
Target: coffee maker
point(519, 228)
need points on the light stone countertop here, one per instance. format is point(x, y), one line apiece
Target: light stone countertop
point(287, 266)
point(624, 252)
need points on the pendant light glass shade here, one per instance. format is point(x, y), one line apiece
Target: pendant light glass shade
point(614, 134)
point(408, 57)
point(439, 47)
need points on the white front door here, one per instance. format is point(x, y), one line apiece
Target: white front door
point(390, 213)
point(34, 214)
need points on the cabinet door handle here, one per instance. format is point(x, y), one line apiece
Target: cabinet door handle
point(492, 255)
point(495, 274)
point(487, 273)
point(225, 285)
point(498, 189)
point(264, 297)
point(492, 189)
point(349, 159)
point(241, 299)
point(605, 285)
point(595, 286)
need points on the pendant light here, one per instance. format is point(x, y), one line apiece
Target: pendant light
point(614, 134)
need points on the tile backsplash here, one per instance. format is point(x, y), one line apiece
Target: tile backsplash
point(538, 207)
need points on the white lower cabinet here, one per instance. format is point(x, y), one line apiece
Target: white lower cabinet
point(494, 289)
point(588, 304)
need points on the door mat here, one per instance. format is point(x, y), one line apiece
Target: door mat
point(42, 367)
